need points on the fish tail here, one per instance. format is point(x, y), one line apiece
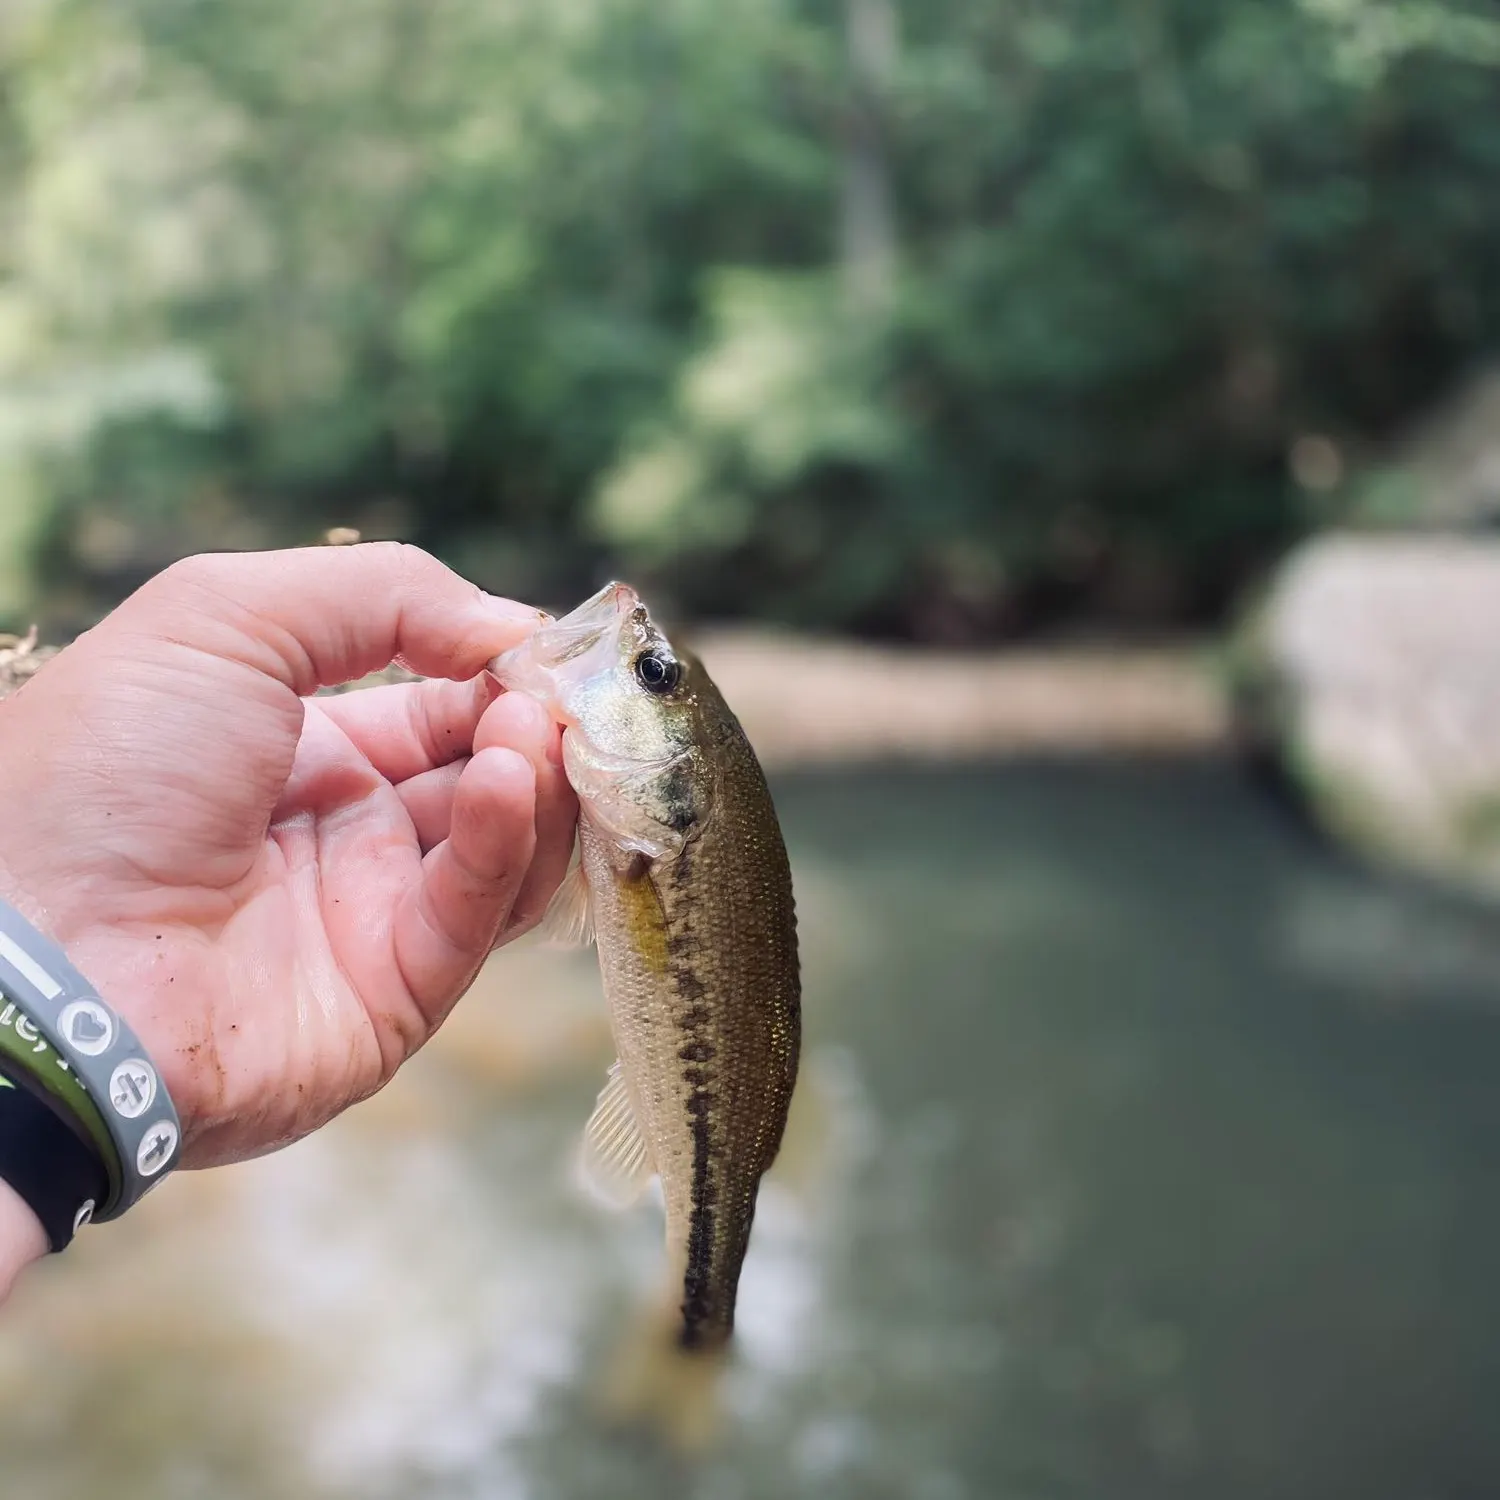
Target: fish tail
point(703, 1335)
point(665, 1381)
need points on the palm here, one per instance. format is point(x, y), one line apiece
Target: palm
point(302, 1010)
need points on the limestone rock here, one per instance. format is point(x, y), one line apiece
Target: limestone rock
point(1374, 668)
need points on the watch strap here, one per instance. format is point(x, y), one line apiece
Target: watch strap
point(60, 1179)
point(101, 1050)
point(30, 1060)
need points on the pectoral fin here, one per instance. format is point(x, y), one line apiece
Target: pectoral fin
point(569, 919)
point(616, 1165)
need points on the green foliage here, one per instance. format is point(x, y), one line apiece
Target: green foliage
point(563, 288)
point(773, 486)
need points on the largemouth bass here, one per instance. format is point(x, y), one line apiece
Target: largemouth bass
point(683, 880)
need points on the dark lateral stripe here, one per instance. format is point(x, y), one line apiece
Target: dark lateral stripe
point(697, 1284)
point(697, 1049)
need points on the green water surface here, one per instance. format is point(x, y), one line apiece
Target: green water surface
point(1156, 1154)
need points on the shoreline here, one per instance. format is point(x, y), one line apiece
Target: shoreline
point(810, 702)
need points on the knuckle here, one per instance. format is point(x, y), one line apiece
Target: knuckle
point(417, 578)
point(193, 571)
point(200, 580)
point(407, 563)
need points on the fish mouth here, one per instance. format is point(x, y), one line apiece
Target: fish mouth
point(529, 667)
point(580, 630)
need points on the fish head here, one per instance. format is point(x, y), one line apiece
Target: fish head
point(633, 741)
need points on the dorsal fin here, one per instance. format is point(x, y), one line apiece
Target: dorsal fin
point(615, 1165)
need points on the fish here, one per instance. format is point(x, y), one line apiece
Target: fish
point(683, 882)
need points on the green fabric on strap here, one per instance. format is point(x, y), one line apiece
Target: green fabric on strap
point(29, 1055)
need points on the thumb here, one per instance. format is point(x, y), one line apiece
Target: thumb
point(315, 616)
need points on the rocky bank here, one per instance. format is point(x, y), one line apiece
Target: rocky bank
point(1371, 670)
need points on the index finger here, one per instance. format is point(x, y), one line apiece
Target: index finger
point(316, 616)
point(405, 729)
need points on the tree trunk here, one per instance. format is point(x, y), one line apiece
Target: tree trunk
point(868, 218)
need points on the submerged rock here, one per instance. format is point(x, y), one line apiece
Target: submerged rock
point(1371, 674)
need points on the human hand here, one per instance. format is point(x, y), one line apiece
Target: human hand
point(283, 896)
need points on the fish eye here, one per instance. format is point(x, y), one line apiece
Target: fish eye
point(657, 672)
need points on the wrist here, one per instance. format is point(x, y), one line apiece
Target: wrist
point(22, 1238)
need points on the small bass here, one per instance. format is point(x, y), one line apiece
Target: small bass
point(684, 883)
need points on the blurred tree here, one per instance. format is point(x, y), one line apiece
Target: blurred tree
point(1146, 249)
point(560, 287)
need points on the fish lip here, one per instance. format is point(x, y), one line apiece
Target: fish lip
point(594, 615)
point(556, 642)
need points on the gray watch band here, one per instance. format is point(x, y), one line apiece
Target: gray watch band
point(103, 1053)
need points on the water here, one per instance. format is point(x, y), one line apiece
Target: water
point(1146, 1151)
